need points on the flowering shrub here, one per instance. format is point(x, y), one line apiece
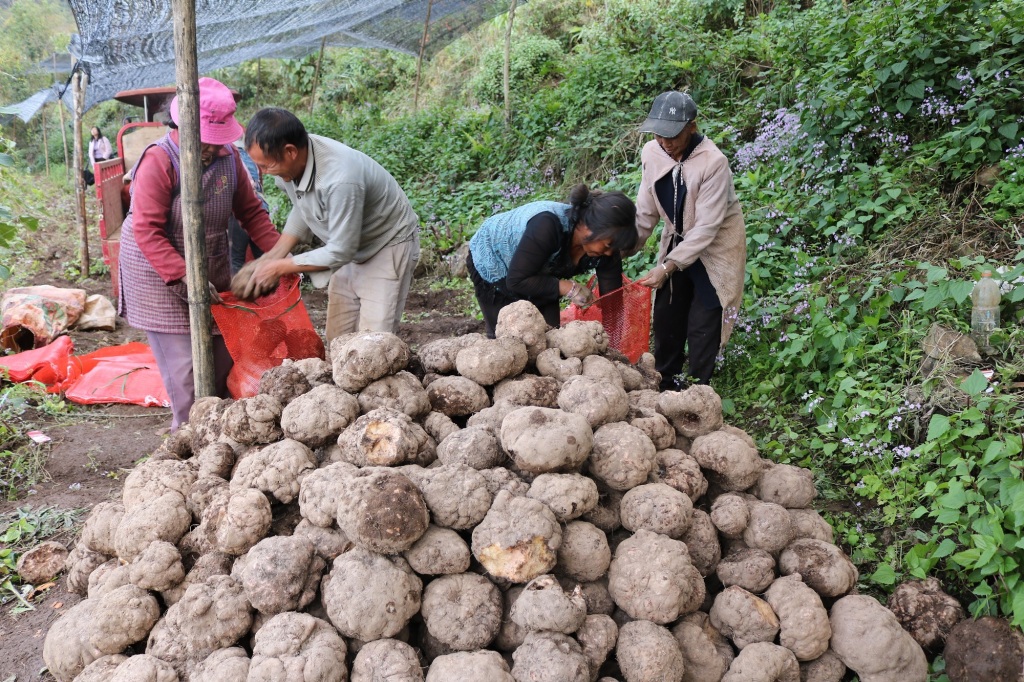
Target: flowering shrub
point(779, 140)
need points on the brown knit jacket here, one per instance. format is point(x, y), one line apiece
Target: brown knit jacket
point(713, 226)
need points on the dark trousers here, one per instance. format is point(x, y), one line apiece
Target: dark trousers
point(493, 296)
point(687, 317)
point(239, 243)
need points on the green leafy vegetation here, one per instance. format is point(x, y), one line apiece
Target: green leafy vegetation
point(22, 462)
point(20, 531)
point(23, 465)
point(33, 31)
point(26, 201)
point(12, 221)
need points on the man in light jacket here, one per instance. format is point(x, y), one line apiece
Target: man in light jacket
point(686, 181)
point(354, 206)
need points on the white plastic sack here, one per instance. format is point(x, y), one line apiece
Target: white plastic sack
point(99, 314)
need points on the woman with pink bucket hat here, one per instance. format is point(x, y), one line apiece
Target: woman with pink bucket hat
point(153, 295)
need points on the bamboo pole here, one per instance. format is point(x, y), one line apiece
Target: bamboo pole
point(79, 82)
point(316, 75)
point(187, 76)
point(46, 147)
point(64, 137)
point(419, 60)
point(507, 67)
point(63, 134)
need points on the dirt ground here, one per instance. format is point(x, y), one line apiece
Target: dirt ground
point(94, 447)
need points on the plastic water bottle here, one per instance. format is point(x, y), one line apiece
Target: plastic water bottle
point(985, 310)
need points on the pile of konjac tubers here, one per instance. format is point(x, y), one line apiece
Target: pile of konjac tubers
point(527, 508)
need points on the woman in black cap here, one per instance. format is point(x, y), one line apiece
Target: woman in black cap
point(686, 182)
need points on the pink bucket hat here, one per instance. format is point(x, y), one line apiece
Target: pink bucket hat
point(217, 124)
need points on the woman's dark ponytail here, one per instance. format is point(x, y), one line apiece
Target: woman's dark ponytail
point(579, 199)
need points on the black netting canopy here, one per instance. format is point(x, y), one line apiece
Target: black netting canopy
point(129, 44)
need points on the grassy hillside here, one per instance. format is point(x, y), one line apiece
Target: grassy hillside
point(32, 31)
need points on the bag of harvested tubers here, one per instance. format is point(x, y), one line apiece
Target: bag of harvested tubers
point(263, 333)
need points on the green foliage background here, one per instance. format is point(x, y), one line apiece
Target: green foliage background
point(877, 151)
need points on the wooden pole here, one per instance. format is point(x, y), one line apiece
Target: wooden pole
point(316, 75)
point(64, 137)
point(507, 69)
point(46, 147)
point(79, 81)
point(63, 134)
point(419, 61)
point(259, 78)
point(186, 70)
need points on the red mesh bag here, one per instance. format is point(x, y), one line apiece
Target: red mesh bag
point(261, 334)
point(625, 314)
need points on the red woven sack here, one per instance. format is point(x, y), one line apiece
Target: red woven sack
point(625, 314)
point(117, 374)
point(262, 334)
point(48, 364)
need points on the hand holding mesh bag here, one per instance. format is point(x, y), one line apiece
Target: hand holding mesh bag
point(262, 334)
point(625, 314)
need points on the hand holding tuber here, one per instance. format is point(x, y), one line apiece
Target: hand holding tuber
point(252, 281)
point(583, 298)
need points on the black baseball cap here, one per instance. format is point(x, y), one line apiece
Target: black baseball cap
point(671, 112)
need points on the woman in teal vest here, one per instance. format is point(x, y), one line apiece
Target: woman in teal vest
point(533, 252)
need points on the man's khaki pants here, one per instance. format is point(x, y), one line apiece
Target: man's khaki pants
point(370, 296)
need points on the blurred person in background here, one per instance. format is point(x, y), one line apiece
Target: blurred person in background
point(99, 147)
point(239, 238)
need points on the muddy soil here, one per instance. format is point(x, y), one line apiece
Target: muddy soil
point(94, 447)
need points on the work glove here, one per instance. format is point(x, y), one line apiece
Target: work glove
point(214, 296)
point(244, 285)
point(580, 296)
